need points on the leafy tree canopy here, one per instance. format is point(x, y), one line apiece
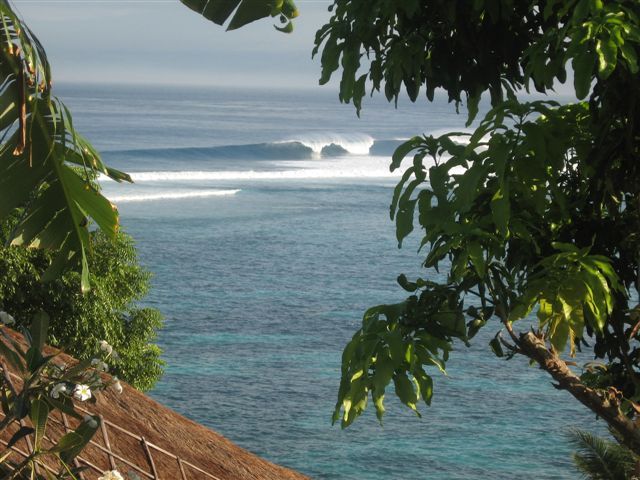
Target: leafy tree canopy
point(537, 210)
point(80, 321)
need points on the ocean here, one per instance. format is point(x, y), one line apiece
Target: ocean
point(264, 217)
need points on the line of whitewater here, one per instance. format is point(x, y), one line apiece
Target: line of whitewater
point(171, 196)
point(310, 173)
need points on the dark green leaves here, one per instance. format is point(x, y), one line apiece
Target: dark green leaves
point(397, 343)
point(39, 328)
point(496, 346)
point(39, 415)
point(68, 442)
point(573, 289)
point(423, 46)
point(536, 211)
point(20, 434)
point(73, 443)
point(242, 12)
point(583, 65)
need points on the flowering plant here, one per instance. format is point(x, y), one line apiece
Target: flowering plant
point(43, 386)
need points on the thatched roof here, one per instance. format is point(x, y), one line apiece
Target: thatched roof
point(136, 428)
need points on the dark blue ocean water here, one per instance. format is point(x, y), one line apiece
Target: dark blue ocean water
point(267, 248)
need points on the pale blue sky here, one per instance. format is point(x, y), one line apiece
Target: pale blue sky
point(162, 41)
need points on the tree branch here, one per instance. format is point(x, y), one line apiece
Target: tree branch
point(601, 403)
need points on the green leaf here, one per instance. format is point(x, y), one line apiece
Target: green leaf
point(501, 209)
point(384, 370)
point(607, 51)
point(65, 405)
point(559, 333)
point(496, 346)
point(405, 391)
point(69, 441)
point(378, 401)
point(476, 255)
point(404, 220)
point(396, 347)
point(403, 150)
point(86, 433)
point(39, 328)
point(583, 64)
point(58, 217)
point(246, 11)
point(473, 101)
point(19, 435)
point(426, 385)
point(630, 56)
point(39, 414)
point(12, 357)
point(381, 378)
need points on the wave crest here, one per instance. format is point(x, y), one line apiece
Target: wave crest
point(304, 147)
point(322, 143)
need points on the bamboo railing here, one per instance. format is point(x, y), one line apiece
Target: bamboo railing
point(109, 430)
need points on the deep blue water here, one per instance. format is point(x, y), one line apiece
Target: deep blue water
point(266, 249)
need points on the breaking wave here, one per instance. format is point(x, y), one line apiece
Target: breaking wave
point(305, 147)
point(334, 143)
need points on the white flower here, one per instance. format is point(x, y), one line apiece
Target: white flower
point(117, 386)
point(111, 475)
point(105, 347)
point(57, 390)
point(6, 319)
point(89, 420)
point(82, 392)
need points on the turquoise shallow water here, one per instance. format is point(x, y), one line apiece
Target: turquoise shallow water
point(262, 287)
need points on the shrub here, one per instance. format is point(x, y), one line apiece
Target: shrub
point(107, 312)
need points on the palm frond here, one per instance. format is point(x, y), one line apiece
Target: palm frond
point(600, 459)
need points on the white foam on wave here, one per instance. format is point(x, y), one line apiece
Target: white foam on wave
point(352, 167)
point(302, 174)
point(294, 170)
point(148, 197)
point(355, 143)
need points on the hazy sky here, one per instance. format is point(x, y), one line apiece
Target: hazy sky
point(162, 41)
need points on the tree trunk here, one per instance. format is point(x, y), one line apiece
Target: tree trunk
point(602, 403)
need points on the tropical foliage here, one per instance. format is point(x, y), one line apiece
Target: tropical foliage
point(107, 312)
point(45, 385)
point(536, 210)
point(39, 153)
point(599, 459)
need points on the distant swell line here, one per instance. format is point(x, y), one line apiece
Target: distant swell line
point(311, 146)
point(171, 196)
